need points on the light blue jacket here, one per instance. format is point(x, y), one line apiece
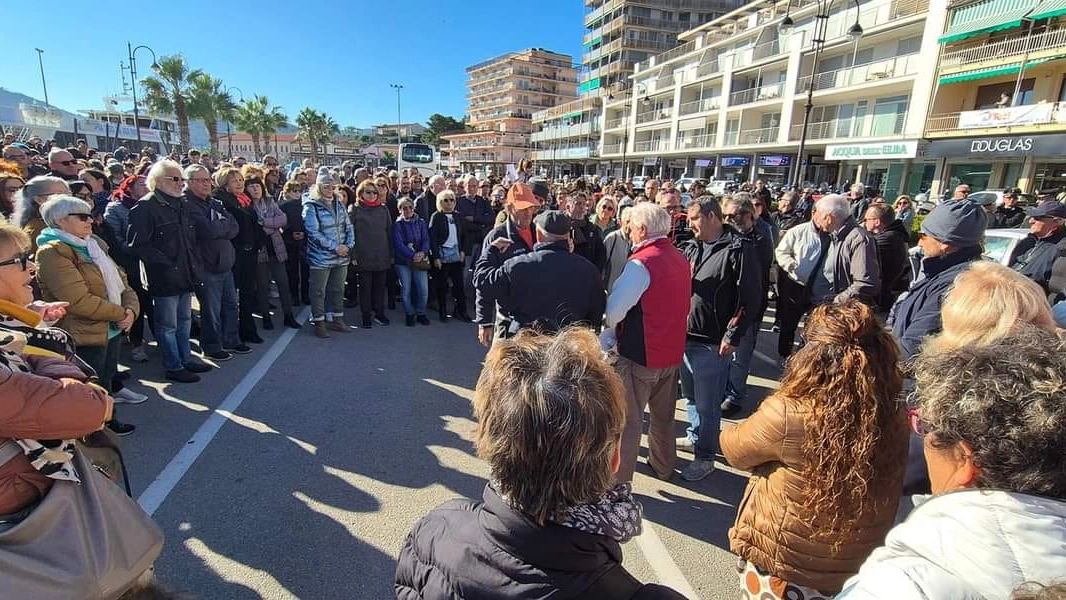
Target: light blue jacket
point(327, 227)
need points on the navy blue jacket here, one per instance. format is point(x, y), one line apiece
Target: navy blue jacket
point(485, 301)
point(1034, 258)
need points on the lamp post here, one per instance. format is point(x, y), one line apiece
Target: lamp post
point(40, 62)
point(399, 138)
point(819, 33)
point(133, 80)
point(229, 132)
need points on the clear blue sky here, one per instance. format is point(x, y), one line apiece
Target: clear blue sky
point(338, 57)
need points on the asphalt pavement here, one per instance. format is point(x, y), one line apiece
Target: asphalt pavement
point(296, 471)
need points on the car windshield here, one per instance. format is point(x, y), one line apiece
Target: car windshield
point(997, 247)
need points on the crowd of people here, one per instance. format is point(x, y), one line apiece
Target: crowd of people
point(909, 396)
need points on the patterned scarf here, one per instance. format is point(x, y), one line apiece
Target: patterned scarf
point(616, 515)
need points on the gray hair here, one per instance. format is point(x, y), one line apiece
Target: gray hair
point(26, 207)
point(315, 192)
point(54, 152)
point(433, 180)
point(708, 205)
point(836, 205)
point(192, 169)
point(857, 188)
point(652, 217)
point(404, 201)
point(1005, 400)
point(158, 171)
point(63, 206)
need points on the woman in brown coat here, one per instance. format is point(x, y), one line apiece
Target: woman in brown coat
point(827, 453)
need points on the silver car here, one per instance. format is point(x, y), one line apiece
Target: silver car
point(1000, 245)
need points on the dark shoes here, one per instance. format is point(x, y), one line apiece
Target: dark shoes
point(254, 339)
point(382, 320)
point(730, 409)
point(462, 316)
point(409, 321)
point(195, 366)
point(351, 303)
point(443, 316)
point(339, 324)
point(238, 349)
point(182, 376)
point(220, 356)
point(268, 323)
point(291, 322)
point(119, 428)
point(320, 329)
point(368, 322)
point(423, 319)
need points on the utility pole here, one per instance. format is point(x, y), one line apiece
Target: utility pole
point(399, 138)
point(40, 62)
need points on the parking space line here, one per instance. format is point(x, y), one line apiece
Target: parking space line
point(156, 493)
point(666, 570)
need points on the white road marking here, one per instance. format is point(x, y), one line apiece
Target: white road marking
point(666, 570)
point(156, 493)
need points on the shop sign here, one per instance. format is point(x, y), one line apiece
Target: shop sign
point(1032, 114)
point(887, 150)
point(736, 161)
point(651, 162)
point(704, 162)
point(775, 160)
point(1017, 146)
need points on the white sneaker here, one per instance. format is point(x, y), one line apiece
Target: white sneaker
point(697, 470)
point(128, 396)
point(685, 444)
point(139, 354)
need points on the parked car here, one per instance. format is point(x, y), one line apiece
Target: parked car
point(719, 186)
point(685, 182)
point(1023, 199)
point(1000, 245)
point(638, 182)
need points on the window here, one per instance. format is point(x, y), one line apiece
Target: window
point(1062, 90)
point(909, 46)
point(988, 95)
point(889, 115)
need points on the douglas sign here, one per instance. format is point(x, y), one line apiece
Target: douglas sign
point(986, 145)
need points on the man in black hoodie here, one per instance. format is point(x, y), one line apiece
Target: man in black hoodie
point(727, 292)
point(892, 238)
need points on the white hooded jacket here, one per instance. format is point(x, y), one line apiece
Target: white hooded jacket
point(966, 545)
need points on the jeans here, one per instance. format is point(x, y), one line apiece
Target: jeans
point(173, 320)
point(218, 312)
point(414, 289)
point(103, 360)
point(704, 375)
point(740, 366)
point(327, 284)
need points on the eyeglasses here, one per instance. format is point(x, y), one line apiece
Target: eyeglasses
point(83, 217)
point(67, 163)
point(20, 259)
point(174, 178)
point(608, 209)
point(734, 216)
point(16, 156)
point(448, 200)
point(375, 192)
point(271, 164)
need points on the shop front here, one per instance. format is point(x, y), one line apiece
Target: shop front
point(1033, 163)
point(881, 166)
point(773, 169)
point(649, 167)
point(734, 168)
point(703, 168)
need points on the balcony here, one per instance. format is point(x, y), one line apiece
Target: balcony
point(668, 55)
point(651, 146)
point(612, 149)
point(757, 94)
point(753, 54)
point(596, 53)
point(704, 140)
point(1051, 39)
point(702, 105)
point(1000, 121)
point(882, 70)
point(867, 126)
point(616, 123)
point(822, 130)
point(767, 135)
point(655, 114)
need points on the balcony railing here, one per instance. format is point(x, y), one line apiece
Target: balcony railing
point(702, 105)
point(746, 56)
point(656, 114)
point(1047, 40)
point(757, 94)
point(703, 140)
point(612, 149)
point(881, 70)
point(822, 130)
point(652, 146)
point(616, 123)
point(759, 136)
point(868, 126)
point(1005, 118)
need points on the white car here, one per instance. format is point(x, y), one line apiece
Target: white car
point(1000, 245)
point(718, 186)
point(638, 182)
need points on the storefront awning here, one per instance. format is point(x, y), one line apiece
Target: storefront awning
point(1048, 9)
point(986, 17)
point(990, 72)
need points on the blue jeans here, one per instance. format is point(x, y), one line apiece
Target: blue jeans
point(218, 312)
point(741, 366)
point(173, 320)
point(704, 375)
point(414, 289)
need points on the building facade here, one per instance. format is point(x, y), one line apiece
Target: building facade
point(566, 138)
point(730, 102)
point(503, 94)
point(998, 118)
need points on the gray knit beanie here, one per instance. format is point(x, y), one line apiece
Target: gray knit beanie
point(960, 224)
point(325, 177)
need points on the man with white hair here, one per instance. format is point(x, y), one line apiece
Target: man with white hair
point(858, 202)
point(162, 234)
point(62, 164)
point(426, 204)
point(849, 269)
point(646, 321)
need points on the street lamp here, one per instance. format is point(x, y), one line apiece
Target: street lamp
point(399, 138)
point(133, 79)
point(44, 84)
point(819, 33)
point(229, 133)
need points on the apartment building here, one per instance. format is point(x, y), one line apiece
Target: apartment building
point(503, 94)
point(621, 33)
point(729, 103)
point(566, 138)
point(998, 118)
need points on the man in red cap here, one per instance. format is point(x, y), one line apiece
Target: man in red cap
point(515, 237)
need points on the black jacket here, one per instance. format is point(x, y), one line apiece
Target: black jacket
point(858, 207)
point(466, 550)
point(549, 288)
point(250, 235)
point(1006, 217)
point(294, 217)
point(438, 233)
point(727, 287)
point(484, 300)
point(162, 234)
point(1034, 258)
point(895, 265)
point(426, 204)
point(588, 242)
point(215, 227)
point(478, 208)
point(788, 220)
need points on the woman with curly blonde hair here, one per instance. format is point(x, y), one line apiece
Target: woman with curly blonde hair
point(826, 452)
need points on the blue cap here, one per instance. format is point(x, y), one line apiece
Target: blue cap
point(959, 224)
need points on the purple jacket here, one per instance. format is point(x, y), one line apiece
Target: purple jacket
point(412, 232)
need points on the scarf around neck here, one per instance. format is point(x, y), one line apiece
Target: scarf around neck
point(112, 278)
point(616, 514)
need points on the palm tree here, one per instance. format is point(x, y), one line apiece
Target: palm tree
point(316, 128)
point(168, 91)
point(209, 101)
point(257, 118)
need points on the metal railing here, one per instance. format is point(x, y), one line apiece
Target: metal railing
point(822, 130)
point(880, 70)
point(703, 140)
point(616, 123)
point(1047, 40)
point(759, 136)
point(656, 114)
point(950, 121)
point(612, 149)
point(757, 94)
point(701, 105)
point(651, 146)
point(746, 56)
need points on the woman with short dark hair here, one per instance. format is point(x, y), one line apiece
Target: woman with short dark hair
point(993, 424)
point(550, 414)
